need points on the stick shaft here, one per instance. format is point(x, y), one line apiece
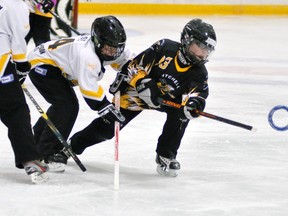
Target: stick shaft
point(60, 20)
point(208, 115)
point(63, 22)
point(116, 146)
point(54, 129)
point(225, 120)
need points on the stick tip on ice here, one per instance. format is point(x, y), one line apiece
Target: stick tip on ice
point(254, 129)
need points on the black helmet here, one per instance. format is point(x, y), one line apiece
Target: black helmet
point(108, 30)
point(203, 35)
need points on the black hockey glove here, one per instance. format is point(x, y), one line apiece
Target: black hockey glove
point(22, 70)
point(119, 84)
point(109, 113)
point(193, 104)
point(47, 5)
point(148, 91)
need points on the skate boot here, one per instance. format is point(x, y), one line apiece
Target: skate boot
point(37, 171)
point(57, 162)
point(167, 166)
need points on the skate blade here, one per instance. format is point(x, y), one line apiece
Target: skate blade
point(39, 177)
point(166, 172)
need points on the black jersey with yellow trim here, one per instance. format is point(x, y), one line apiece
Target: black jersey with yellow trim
point(162, 62)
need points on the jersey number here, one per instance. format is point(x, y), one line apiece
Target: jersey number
point(60, 43)
point(164, 62)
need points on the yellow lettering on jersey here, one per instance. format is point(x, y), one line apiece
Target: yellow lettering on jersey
point(91, 67)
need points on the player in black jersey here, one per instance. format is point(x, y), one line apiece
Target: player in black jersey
point(169, 70)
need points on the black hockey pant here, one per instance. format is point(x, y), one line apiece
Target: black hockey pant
point(99, 131)
point(15, 114)
point(63, 110)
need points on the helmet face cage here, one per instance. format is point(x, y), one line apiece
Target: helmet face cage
point(191, 56)
point(117, 51)
point(203, 36)
point(108, 36)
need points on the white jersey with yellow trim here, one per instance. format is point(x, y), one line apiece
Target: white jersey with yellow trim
point(14, 26)
point(76, 58)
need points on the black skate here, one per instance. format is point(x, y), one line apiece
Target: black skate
point(167, 166)
point(57, 162)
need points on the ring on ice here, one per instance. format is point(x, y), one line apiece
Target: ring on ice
point(270, 118)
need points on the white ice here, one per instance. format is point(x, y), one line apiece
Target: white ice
point(226, 170)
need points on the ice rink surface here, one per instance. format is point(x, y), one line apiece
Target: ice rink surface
point(226, 170)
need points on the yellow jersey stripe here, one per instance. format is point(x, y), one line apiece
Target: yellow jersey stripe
point(93, 95)
point(4, 59)
point(36, 62)
point(19, 57)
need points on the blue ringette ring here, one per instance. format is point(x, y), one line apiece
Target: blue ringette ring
point(270, 118)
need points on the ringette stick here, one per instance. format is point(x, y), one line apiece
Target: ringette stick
point(208, 115)
point(116, 144)
point(54, 129)
point(63, 22)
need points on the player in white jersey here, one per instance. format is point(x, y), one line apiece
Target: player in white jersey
point(14, 111)
point(58, 65)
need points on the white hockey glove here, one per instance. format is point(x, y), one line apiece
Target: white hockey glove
point(22, 70)
point(148, 91)
point(192, 104)
point(109, 113)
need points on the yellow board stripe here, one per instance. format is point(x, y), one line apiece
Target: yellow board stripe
point(180, 9)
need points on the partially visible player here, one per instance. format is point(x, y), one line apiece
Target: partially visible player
point(14, 67)
point(59, 65)
point(169, 70)
point(40, 20)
